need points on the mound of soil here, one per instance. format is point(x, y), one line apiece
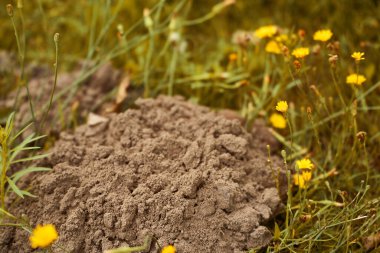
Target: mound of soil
point(169, 169)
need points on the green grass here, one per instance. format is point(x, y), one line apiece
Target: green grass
point(183, 47)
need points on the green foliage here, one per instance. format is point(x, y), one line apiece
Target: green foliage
point(13, 154)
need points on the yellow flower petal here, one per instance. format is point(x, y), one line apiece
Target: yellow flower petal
point(266, 31)
point(169, 249)
point(323, 35)
point(304, 164)
point(232, 57)
point(355, 79)
point(358, 56)
point(277, 120)
point(306, 175)
point(282, 38)
point(301, 52)
point(282, 106)
point(299, 180)
point(43, 236)
point(273, 47)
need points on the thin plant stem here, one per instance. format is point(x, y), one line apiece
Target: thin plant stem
point(274, 175)
point(291, 132)
point(23, 81)
point(147, 63)
point(289, 192)
point(216, 9)
point(172, 68)
point(366, 162)
point(337, 87)
point(56, 43)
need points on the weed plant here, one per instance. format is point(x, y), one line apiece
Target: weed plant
point(14, 157)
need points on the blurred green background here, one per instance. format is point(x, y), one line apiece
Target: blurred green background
point(355, 21)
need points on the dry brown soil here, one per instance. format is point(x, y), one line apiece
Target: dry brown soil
point(169, 169)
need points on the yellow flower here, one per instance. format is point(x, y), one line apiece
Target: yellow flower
point(277, 120)
point(232, 57)
point(266, 31)
point(302, 179)
point(306, 175)
point(301, 52)
point(304, 164)
point(323, 35)
point(358, 56)
point(355, 79)
point(282, 38)
point(169, 249)
point(282, 106)
point(273, 47)
point(43, 236)
point(299, 180)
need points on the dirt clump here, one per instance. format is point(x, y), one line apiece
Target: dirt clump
point(169, 169)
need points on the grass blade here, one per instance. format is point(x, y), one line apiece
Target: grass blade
point(15, 188)
point(30, 158)
point(20, 132)
point(26, 193)
point(16, 176)
point(6, 213)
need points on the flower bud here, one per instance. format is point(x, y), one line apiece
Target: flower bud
point(316, 49)
point(333, 59)
point(120, 29)
point(147, 19)
point(304, 218)
point(361, 136)
point(10, 10)
point(309, 111)
point(297, 65)
point(334, 47)
point(285, 51)
point(56, 37)
point(173, 23)
point(242, 38)
point(283, 154)
point(174, 37)
point(301, 33)
point(315, 90)
point(220, 6)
